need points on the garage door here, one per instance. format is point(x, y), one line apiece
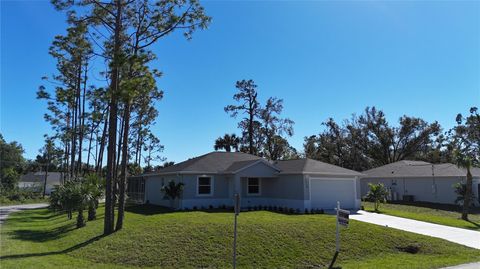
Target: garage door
point(326, 192)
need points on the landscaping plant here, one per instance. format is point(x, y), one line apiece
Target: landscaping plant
point(377, 194)
point(173, 191)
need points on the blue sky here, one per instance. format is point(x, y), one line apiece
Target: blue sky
point(325, 59)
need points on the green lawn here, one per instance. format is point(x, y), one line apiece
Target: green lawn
point(6, 202)
point(155, 238)
point(445, 217)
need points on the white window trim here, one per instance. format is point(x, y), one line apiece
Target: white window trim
point(212, 184)
point(259, 187)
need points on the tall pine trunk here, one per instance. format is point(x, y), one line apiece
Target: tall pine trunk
point(468, 195)
point(82, 121)
point(124, 172)
point(46, 176)
point(112, 130)
point(102, 144)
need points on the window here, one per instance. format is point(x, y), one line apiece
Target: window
point(204, 185)
point(253, 186)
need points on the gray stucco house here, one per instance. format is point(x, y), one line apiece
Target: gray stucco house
point(420, 181)
point(213, 179)
point(36, 180)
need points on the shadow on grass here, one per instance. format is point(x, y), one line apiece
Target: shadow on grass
point(148, 209)
point(43, 235)
point(65, 251)
point(476, 224)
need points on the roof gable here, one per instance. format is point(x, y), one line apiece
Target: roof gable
point(415, 169)
point(213, 162)
point(309, 166)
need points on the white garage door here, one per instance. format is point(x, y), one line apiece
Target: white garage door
point(326, 192)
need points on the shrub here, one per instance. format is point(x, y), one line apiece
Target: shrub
point(291, 210)
point(275, 208)
point(297, 211)
point(306, 211)
point(210, 207)
point(195, 208)
point(172, 191)
point(377, 194)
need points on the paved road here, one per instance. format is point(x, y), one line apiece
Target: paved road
point(6, 210)
point(465, 266)
point(465, 237)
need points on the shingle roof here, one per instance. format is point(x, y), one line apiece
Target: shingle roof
point(306, 166)
point(415, 169)
point(229, 162)
point(213, 162)
point(239, 165)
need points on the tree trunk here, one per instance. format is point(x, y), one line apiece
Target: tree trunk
point(468, 195)
point(82, 121)
point(102, 144)
point(89, 150)
point(46, 175)
point(119, 144)
point(92, 211)
point(112, 130)
point(124, 172)
point(250, 133)
point(80, 219)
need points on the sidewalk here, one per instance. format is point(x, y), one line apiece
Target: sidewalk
point(6, 210)
point(464, 237)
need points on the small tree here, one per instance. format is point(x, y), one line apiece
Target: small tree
point(173, 191)
point(94, 190)
point(77, 194)
point(377, 193)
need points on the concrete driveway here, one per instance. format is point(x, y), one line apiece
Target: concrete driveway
point(6, 210)
point(464, 237)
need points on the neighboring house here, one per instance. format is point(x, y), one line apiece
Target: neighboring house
point(420, 181)
point(36, 180)
point(214, 178)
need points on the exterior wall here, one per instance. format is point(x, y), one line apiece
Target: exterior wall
point(220, 195)
point(426, 189)
point(37, 186)
point(283, 191)
point(153, 185)
point(476, 190)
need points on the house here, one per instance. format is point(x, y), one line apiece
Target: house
point(36, 180)
point(214, 178)
point(420, 181)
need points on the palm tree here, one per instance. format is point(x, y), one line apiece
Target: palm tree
point(377, 193)
point(464, 161)
point(173, 191)
point(94, 189)
point(227, 142)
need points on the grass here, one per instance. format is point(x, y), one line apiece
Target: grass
point(433, 213)
point(5, 202)
point(154, 237)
